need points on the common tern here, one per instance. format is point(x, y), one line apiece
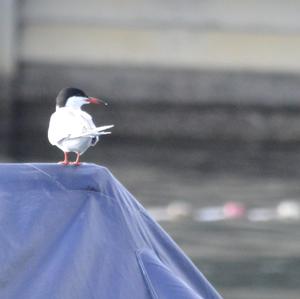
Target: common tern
point(72, 129)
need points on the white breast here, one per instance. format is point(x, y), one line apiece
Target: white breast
point(67, 122)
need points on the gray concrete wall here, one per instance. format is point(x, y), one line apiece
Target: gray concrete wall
point(169, 50)
point(8, 64)
point(8, 37)
point(234, 35)
point(234, 63)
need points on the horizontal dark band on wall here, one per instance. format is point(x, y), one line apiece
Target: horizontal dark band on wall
point(125, 84)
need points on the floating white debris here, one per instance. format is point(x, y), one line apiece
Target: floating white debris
point(159, 213)
point(262, 214)
point(172, 212)
point(210, 214)
point(289, 210)
point(179, 209)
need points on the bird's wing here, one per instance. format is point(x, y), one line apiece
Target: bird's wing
point(97, 131)
point(59, 126)
point(103, 128)
point(87, 119)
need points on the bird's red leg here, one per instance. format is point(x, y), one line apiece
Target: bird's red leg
point(65, 161)
point(77, 163)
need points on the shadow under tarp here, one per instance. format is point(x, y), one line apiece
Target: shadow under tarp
point(76, 232)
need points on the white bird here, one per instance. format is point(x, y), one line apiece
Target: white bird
point(70, 128)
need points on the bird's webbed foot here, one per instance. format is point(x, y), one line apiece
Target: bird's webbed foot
point(65, 161)
point(76, 162)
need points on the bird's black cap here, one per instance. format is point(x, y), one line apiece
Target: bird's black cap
point(66, 93)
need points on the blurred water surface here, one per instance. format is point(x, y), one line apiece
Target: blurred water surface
point(242, 259)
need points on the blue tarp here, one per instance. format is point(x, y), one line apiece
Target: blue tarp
point(76, 232)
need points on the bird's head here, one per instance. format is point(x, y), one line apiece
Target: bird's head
point(75, 98)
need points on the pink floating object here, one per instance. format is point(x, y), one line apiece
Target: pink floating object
point(234, 210)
